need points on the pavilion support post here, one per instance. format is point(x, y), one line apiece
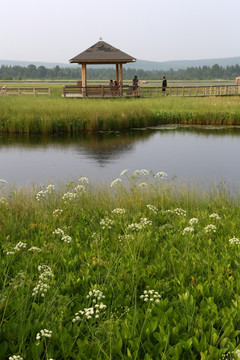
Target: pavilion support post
point(121, 78)
point(84, 79)
point(117, 73)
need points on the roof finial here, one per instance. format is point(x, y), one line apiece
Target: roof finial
point(100, 38)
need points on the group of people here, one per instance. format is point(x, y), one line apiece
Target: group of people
point(114, 85)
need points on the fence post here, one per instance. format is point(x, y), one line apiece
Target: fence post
point(64, 91)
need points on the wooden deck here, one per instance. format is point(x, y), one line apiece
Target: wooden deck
point(103, 91)
point(5, 90)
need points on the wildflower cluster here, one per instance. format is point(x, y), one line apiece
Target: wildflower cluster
point(139, 226)
point(210, 228)
point(151, 296)
point(215, 216)
point(152, 208)
point(141, 172)
point(97, 308)
point(188, 229)
point(161, 175)
point(34, 249)
point(15, 357)
point(124, 172)
point(57, 212)
point(19, 246)
point(193, 221)
point(43, 280)
point(235, 241)
point(44, 333)
point(119, 211)
point(116, 182)
point(177, 211)
point(106, 223)
point(83, 180)
point(64, 237)
point(43, 193)
point(71, 195)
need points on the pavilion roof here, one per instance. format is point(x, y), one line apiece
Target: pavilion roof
point(102, 53)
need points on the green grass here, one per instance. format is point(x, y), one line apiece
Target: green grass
point(53, 114)
point(121, 255)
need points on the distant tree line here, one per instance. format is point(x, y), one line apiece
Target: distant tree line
point(191, 73)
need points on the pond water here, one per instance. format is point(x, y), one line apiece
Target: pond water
point(196, 154)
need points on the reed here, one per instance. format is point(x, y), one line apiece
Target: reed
point(53, 114)
point(140, 268)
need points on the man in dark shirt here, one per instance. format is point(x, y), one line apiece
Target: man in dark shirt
point(164, 83)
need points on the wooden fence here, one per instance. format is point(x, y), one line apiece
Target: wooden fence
point(5, 90)
point(149, 91)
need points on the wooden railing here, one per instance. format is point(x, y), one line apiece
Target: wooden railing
point(149, 91)
point(5, 90)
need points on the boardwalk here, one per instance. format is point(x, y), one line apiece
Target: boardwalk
point(103, 91)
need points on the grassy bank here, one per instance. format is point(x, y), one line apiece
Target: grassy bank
point(140, 269)
point(53, 114)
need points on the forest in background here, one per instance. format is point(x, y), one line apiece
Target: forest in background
point(57, 73)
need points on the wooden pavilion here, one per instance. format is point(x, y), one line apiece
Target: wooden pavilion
point(102, 53)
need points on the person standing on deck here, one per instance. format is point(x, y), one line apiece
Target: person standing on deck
point(135, 85)
point(164, 84)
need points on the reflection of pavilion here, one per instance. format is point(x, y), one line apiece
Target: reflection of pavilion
point(105, 154)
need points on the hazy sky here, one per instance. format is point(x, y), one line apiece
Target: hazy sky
point(157, 30)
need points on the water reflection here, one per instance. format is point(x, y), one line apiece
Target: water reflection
point(195, 153)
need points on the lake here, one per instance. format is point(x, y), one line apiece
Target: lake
point(195, 154)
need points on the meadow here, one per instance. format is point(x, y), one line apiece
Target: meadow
point(141, 268)
point(54, 115)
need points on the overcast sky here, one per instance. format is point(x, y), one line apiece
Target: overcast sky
point(157, 30)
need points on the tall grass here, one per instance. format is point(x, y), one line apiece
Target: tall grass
point(19, 114)
point(131, 270)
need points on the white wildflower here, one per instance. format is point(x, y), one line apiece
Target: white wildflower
point(20, 245)
point(80, 189)
point(161, 174)
point(116, 182)
point(124, 172)
point(15, 357)
point(193, 221)
point(169, 212)
point(210, 228)
point(188, 229)
point(234, 240)
point(43, 280)
point(58, 231)
point(119, 211)
point(215, 216)
point(34, 249)
point(66, 238)
point(151, 296)
point(44, 333)
point(69, 196)
point(3, 200)
point(3, 181)
point(180, 212)
point(152, 208)
point(50, 188)
point(57, 212)
point(83, 180)
point(10, 252)
point(106, 223)
point(97, 308)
